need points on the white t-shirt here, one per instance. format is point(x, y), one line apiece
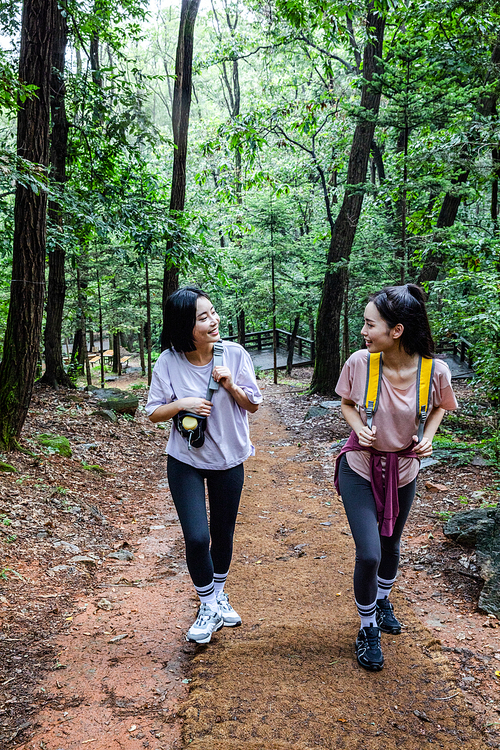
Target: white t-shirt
point(227, 440)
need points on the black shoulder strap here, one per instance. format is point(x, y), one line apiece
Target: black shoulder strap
point(217, 361)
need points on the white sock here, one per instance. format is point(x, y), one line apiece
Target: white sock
point(385, 587)
point(219, 581)
point(367, 614)
point(207, 596)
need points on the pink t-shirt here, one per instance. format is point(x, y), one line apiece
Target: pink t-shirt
point(396, 416)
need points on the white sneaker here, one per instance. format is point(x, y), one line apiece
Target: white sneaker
point(229, 615)
point(207, 622)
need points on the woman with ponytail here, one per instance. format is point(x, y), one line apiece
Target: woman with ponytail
point(376, 470)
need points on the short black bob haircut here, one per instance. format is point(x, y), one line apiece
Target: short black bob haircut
point(406, 305)
point(179, 319)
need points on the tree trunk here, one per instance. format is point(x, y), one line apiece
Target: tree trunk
point(240, 319)
point(180, 125)
point(77, 353)
point(147, 327)
point(327, 365)
point(378, 162)
point(101, 344)
point(141, 349)
point(293, 338)
point(55, 374)
point(345, 336)
point(451, 202)
point(117, 365)
point(24, 322)
point(495, 155)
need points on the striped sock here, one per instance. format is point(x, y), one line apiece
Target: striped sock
point(367, 614)
point(219, 581)
point(385, 587)
point(207, 596)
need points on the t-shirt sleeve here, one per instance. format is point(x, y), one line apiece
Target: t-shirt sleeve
point(160, 390)
point(352, 381)
point(245, 378)
point(443, 396)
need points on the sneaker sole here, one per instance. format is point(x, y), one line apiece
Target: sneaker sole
point(386, 629)
point(390, 631)
point(232, 624)
point(372, 667)
point(207, 639)
point(368, 667)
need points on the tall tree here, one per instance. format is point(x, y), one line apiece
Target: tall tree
point(181, 106)
point(451, 201)
point(327, 366)
point(24, 323)
point(54, 369)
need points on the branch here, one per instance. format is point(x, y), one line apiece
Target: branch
point(323, 51)
point(354, 44)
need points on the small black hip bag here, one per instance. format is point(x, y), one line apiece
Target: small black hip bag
point(190, 425)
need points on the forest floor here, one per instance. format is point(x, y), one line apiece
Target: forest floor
point(92, 648)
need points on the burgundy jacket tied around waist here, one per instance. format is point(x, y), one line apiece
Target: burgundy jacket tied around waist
point(385, 490)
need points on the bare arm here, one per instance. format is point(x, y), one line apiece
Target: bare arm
point(223, 376)
point(196, 405)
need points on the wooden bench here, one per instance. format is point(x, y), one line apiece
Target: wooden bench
point(125, 360)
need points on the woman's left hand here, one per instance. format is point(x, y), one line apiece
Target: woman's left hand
point(223, 376)
point(424, 448)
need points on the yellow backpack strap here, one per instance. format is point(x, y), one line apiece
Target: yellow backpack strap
point(373, 377)
point(424, 391)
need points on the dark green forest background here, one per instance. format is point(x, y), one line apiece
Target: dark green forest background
point(350, 144)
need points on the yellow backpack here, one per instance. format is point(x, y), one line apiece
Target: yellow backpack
point(425, 373)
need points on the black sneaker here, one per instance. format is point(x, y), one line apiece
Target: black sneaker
point(386, 619)
point(368, 651)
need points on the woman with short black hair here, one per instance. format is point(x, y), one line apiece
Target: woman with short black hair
point(376, 470)
point(179, 385)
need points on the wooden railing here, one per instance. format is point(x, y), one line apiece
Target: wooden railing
point(264, 340)
point(459, 347)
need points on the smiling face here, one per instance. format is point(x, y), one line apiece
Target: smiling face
point(377, 334)
point(206, 328)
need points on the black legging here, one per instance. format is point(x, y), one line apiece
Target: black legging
point(188, 492)
point(375, 555)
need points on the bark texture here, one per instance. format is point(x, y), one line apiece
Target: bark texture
point(181, 106)
point(327, 365)
point(54, 369)
point(24, 322)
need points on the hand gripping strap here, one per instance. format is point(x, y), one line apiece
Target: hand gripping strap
point(424, 390)
point(218, 361)
point(373, 377)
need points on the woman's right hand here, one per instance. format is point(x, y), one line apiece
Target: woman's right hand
point(366, 436)
point(195, 405)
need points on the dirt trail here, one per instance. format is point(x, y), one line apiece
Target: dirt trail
point(288, 677)
point(121, 665)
